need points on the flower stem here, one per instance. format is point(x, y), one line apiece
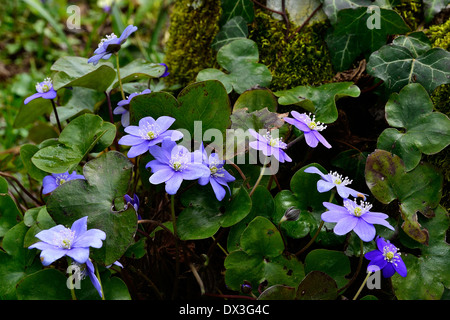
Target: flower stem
point(358, 268)
point(259, 179)
point(56, 115)
point(177, 260)
point(333, 192)
point(363, 284)
point(118, 76)
point(100, 281)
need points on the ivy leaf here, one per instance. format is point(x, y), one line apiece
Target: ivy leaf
point(76, 140)
point(332, 7)
point(107, 178)
point(433, 7)
point(76, 71)
point(424, 131)
point(399, 65)
point(418, 190)
point(427, 274)
point(240, 59)
point(416, 42)
point(351, 36)
point(319, 100)
point(233, 8)
point(235, 28)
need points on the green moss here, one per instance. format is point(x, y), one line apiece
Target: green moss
point(296, 58)
point(440, 37)
point(411, 11)
point(193, 27)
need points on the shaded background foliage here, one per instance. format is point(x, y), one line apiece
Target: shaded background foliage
point(184, 34)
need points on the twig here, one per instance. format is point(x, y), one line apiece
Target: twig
point(197, 277)
point(7, 175)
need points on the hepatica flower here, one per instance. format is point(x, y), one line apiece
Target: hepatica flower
point(122, 107)
point(310, 127)
point(54, 180)
point(356, 217)
point(217, 176)
point(269, 146)
point(111, 44)
point(333, 179)
point(44, 90)
point(149, 133)
point(133, 202)
point(386, 258)
point(60, 241)
point(166, 72)
point(173, 164)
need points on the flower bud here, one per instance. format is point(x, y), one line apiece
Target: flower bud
point(246, 287)
point(291, 214)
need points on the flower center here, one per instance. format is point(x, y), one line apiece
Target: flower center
point(391, 254)
point(179, 161)
point(357, 210)
point(176, 165)
point(151, 135)
point(65, 238)
point(315, 125)
point(338, 179)
point(44, 86)
point(107, 38)
point(213, 169)
point(275, 142)
point(149, 131)
point(62, 179)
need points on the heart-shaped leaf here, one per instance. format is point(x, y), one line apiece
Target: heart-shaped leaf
point(334, 263)
point(424, 131)
point(319, 100)
point(107, 178)
point(46, 284)
point(30, 112)
point(82, 135)
point(418, 190)
point(198, 107)
point(317, 285)
point(240, 58)
point(256, 99)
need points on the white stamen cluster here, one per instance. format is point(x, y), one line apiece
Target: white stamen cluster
point(216, 168)
point(357, 210)
point(315, 125)
point(62, 179)
point(64, 239)
point(338, 179)
point(107, 38)
point(149, 131)
point(44, 86)
point(179, 161)
point(275, 142)
point(391, 254)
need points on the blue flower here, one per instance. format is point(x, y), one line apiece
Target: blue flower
point(132, 201)
point(91, 274)
point(166, 72)
point(147, 134)
point(173, 163)
point(356, 217)
point(111, 44)
point(44, 90)
point(386, 258)
point(123, 109)
point(60, 241)
point(54, 180)
point(310, 128)
point(269, 146)
point(333, 179)
point(217, 175)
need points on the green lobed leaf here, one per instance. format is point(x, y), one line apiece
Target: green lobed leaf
point(204, 214)
point(77, 139)
point(233, 29)
point(332, 7)
point(30, 112)
point(77, 72)
point(256, 99)
point(317, 285)
point(319, 100)
point(198, 107)
point(46, 284)
point(234, 8)
point(240, 59)
point(422, 130)
point(334, 263)
point(107, 178)
point(433, 7)
point(418, 190)
point(9, 212)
